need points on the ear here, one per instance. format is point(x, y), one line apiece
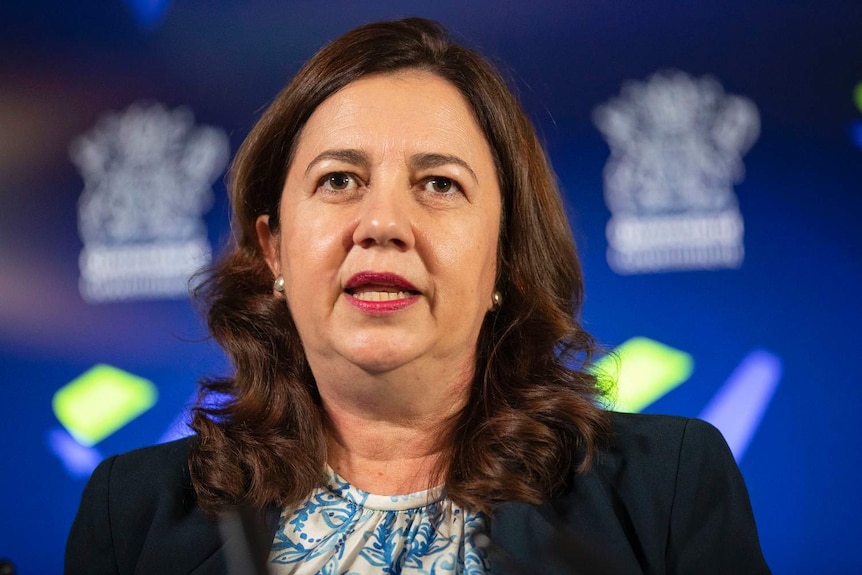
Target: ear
point(268, 244)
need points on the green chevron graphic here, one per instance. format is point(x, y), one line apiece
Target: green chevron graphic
point(643, 370)
point(100, 401)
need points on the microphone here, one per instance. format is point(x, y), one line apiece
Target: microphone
point(246, 541)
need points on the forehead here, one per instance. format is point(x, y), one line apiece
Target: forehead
point(404, 112)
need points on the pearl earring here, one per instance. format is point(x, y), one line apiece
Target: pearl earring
point(279, 284)
point(496, 300)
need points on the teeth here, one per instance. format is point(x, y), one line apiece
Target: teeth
point(381, 295)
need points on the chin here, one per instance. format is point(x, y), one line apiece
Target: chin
point(380, 359)
point(379, 365)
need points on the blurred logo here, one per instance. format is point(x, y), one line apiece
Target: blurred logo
point(147, 173)
point(676, 150)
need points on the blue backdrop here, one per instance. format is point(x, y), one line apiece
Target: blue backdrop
point(741, 311)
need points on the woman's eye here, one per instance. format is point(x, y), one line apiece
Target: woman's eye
point(338, 181)
point(440, 185)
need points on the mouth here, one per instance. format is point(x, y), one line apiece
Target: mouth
point(379, 294)
point(379, 287)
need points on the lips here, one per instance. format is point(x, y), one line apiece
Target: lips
point(380, 292)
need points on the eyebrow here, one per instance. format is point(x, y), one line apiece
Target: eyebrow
point(417, 161)
point(428, 161)
point(355, 157)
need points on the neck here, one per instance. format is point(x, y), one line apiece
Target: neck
point(386, 434)
point(384, 457)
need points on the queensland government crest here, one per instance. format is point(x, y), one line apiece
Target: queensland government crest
point(148, 173)
point(676, 151)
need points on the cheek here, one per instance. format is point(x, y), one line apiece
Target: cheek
point(312, 252)
point(469, 259)
point(304, 258)
point(487, 246)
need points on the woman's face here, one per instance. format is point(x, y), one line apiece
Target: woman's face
point(389, 222)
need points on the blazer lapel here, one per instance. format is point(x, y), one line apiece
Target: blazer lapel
point(519, 535)
point(197, 546)
point(578, 533)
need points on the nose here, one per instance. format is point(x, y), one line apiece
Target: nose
point(384, 219)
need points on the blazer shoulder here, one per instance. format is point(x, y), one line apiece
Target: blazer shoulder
point(646, 427)
point(682, 471)
point(154, 467)
point(137, 505)
point(636, 436)
point(638, 440)
point(616, 517)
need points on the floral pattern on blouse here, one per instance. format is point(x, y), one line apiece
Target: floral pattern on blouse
point(342, 530)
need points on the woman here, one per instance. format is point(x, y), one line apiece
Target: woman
point(399, 306)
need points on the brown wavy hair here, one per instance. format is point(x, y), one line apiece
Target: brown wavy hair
point(533, 414)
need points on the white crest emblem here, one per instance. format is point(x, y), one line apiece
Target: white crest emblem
point(676, 150)
point(148, 173)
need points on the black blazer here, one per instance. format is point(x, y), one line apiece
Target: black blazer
point(665, 496)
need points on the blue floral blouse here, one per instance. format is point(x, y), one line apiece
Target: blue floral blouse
point(342, 530)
